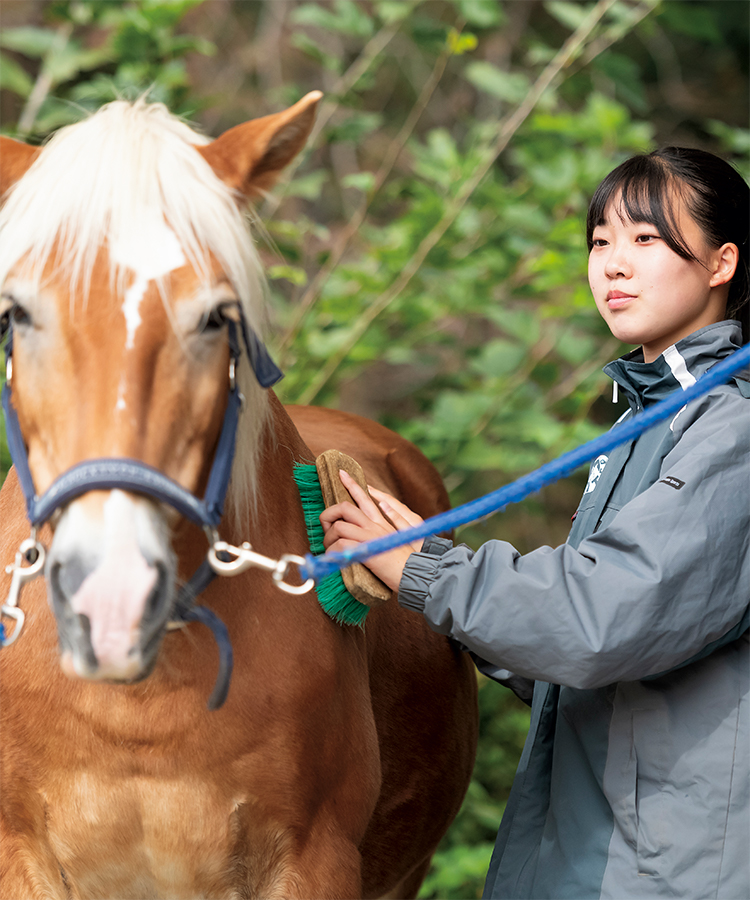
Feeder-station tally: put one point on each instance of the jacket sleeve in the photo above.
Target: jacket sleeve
(666, 579)
(523, 688)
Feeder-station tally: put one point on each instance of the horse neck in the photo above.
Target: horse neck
(276, 525)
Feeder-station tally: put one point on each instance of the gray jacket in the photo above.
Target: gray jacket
(635, 778)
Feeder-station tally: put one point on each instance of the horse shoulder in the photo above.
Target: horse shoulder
(422, 687)
(390, 461)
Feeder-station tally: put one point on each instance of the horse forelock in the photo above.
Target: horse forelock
(94, 185)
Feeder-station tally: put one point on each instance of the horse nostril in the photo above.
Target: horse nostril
(84, 644)
(60, 599)
(158, 593)
(67, 579)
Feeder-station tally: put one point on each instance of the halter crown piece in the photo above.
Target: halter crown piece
(134, 475)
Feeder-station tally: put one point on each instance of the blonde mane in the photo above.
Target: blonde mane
(95, 181)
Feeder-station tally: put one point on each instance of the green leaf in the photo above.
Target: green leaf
(293, 274)
(481, 13)
(520, 324)
(453, 870)
(509, 86)
(499, 358)
(696, 20)
(70, 60)
(362, 181)
(568, 14)
(14, 78)
(457, 412)
(188, 43)
(167, 13)
(54, 114)
(625, 73)
(312, 14)
(458, 44)
(391, 11)
(172, 74)
(346, 17)
(34, 42)
(308, 186)
(354, 127)
(353, 19)
(735, 140)
(310, 47)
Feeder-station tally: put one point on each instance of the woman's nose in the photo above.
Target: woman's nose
(618, 263)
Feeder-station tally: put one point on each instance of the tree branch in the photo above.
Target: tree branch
(507, 128)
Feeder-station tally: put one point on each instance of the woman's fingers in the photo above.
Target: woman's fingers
(348, 512)
(361, 498)
(347, 525)
(403, 524)
(388, 503)
(366, 516)
(349, 522)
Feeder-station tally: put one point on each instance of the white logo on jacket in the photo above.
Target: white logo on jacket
(595, 473)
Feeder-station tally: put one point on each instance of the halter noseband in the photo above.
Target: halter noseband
(134, 475)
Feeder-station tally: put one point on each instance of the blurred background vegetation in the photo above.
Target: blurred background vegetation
(426, 253)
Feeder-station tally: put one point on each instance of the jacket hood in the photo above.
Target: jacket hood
(679, 366)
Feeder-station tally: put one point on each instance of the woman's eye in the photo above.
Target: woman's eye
(598, 242)
(646, 238)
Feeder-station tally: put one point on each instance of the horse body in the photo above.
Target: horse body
(341, 754)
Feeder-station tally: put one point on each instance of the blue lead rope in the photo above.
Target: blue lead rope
(320, 566)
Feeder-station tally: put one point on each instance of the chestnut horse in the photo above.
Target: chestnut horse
(342, 753)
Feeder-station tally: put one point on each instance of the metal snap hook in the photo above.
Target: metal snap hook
(226, 559)
(33, 553)
(281, 570)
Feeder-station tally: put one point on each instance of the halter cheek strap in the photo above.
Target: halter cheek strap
(134, 475)
(127, 474)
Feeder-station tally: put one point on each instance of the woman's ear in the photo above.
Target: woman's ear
(725, 261)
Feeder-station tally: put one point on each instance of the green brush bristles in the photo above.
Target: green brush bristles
(333, 596)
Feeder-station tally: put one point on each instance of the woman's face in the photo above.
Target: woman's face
(645, 292)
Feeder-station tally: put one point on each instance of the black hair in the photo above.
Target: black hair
(715, 195)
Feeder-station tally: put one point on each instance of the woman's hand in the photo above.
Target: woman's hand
(346, 525)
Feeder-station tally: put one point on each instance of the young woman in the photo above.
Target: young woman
(633, 636)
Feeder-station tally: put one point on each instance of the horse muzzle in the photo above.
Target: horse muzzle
(110, 577)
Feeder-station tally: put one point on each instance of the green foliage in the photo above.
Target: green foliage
(426, 255)
(460, 866)
(142, 52)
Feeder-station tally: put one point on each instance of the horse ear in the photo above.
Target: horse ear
(15, 159)
(250, 156)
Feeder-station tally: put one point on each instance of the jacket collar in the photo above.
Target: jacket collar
(679, 366)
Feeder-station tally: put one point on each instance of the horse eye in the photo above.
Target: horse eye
(12, 313)
(17, 315)
(213, 320)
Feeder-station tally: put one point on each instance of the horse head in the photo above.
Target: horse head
(125, 260)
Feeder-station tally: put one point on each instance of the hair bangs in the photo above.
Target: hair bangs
(641, 190)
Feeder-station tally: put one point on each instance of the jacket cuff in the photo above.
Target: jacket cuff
(436, 546)
(416, 579)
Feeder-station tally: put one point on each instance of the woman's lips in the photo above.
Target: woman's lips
(616, 299)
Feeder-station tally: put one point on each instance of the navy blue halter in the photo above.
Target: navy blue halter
(134, 475)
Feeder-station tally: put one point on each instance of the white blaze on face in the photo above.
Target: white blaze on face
(150, 253)
(120, 405)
